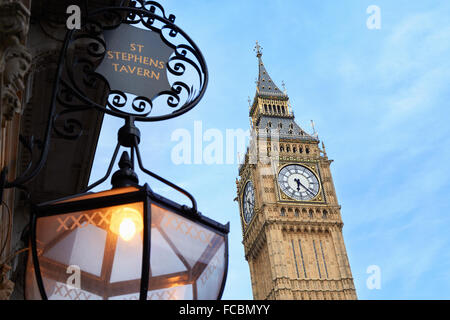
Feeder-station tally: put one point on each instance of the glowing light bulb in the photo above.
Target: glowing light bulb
(127, 229)
(126, 222)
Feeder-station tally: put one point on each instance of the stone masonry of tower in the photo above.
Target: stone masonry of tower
(295, 248)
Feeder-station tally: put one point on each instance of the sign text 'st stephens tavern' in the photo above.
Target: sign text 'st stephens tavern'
(135, 61)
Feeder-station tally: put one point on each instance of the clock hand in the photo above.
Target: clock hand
(310, 192)
(298, 183)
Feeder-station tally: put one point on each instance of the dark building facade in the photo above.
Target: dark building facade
(31, 36)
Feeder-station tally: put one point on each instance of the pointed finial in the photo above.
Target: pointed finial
(258, 49)
(125, 162)
(324, 150)
(125, 176)
(316, 134)
(249, 102)
(283, 85)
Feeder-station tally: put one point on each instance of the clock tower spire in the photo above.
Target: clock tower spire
(291, 219)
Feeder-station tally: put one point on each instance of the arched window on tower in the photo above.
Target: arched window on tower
(311, 213)
(297, 212)
(283, 212)
(265, 107)
(324, 214)
(278, 108)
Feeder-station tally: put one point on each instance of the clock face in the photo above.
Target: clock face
(298, 182)
(248, 202)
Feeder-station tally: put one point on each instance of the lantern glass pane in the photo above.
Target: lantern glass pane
(187, 258)
(90, 254)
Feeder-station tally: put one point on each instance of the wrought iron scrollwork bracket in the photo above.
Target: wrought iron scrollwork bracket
(80, 70)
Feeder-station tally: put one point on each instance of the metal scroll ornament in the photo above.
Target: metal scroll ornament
(130, 61)
(152, 69)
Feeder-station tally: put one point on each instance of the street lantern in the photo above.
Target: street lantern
(125, 243)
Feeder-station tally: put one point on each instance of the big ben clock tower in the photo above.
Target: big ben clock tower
(291, 219)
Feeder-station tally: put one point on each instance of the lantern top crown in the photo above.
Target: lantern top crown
(125, 176)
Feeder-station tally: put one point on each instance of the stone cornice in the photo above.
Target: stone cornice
(14, 18)
(15, 58)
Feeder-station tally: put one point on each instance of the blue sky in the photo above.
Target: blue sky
(379, 100)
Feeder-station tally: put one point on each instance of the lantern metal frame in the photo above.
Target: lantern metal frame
(143, 194)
